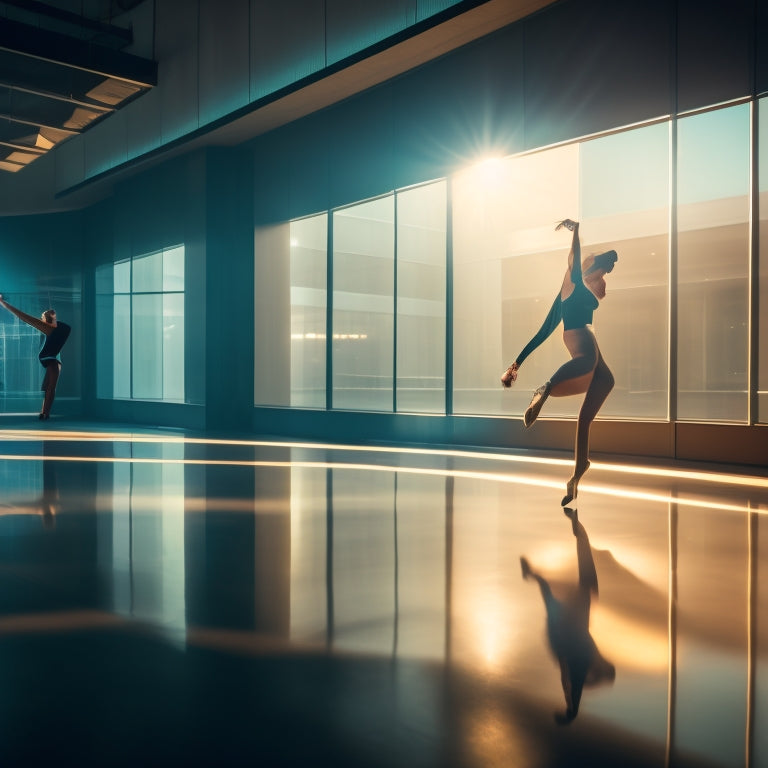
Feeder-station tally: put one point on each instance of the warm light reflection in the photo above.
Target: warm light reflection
(695, 476)
(492, 624)
(630, 643)
(516, 479)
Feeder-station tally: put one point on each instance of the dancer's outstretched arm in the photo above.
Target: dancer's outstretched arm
(574, 257)
(41, 325)
(552, 320)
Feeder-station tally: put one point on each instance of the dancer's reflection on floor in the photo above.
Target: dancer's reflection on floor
(47, 505)
(581, 663)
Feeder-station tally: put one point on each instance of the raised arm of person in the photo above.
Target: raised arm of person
(551, 322)
(574, 256)
(41, 325)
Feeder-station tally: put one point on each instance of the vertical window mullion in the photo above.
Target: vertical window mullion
(329, 315)
(394, 308)
(449, 298)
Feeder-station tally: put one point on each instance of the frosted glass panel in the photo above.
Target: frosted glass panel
(308, 276)
(141, 332)
(624, 191)
(147, 357)
(713, 258)
(123, 277)
(121, 348)
(148, 273)
(363, 306)
(173, 346)
(173, 269)
(508, 266)
(421, 276)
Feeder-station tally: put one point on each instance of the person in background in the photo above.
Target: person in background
(55, 335)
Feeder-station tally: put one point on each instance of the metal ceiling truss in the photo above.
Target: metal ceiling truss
(55, 84)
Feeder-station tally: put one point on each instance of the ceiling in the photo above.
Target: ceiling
(63, 68)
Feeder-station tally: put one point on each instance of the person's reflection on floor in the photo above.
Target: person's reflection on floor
(46, 506)
(581, 663)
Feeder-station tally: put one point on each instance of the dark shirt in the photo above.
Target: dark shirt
(53, 342)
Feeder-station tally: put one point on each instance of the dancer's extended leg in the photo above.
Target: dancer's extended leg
(571, 378)
(597, 392)
(50, 380)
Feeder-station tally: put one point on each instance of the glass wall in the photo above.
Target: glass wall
(762, 366)
(363, 305)
(389, 282)
(509, 265)
(390, 295)
(713, 177)
(140, 327)
(421, 276)
(309, 243)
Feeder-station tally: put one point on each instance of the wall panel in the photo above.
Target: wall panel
(287, 43)
(178, 73)
(715, 44)
(224, 58)
(353, 26)
(595, 65)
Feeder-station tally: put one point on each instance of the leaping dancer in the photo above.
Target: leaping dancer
(586, 372)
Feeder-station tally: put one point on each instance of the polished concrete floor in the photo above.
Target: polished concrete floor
(174, 600)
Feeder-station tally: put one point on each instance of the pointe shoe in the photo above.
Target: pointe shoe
(525, 567)
(509, 377)
(537, 401)
(572, 486)
(569, 224)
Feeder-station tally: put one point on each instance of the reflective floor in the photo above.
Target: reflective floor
(172, 600)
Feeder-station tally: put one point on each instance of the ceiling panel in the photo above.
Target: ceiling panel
(60, 73)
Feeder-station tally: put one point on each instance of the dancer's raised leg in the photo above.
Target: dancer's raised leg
(597, 392)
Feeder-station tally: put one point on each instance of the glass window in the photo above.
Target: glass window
(713, 262)
(272, 315)
(363, 306)
(308, 276)
(421, 287)
(509, 263)
(142, 330)
(173, 269)
(508, 267)
(762, 368)
(147, 346)
(624, 192)
(173, 346)
(122, 277)
(148, 273)
(121, 348)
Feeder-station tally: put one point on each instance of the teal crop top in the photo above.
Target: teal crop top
(575, 311)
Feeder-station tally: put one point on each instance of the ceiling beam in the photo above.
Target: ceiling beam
(37, 124)
(120, 36)
(23, 147)
(81, 55)
(56, 97)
